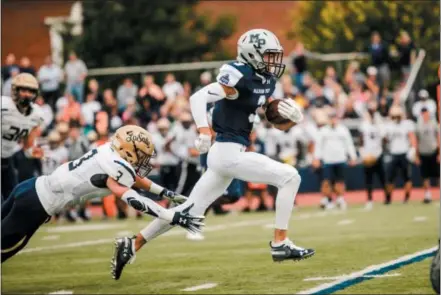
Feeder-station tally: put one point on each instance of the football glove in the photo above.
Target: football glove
(172, 196)
(191, 223)
(203, 143)
(288, 109)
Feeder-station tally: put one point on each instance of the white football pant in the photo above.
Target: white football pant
(226, 161)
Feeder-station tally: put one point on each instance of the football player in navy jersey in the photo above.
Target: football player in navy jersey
(241, 88)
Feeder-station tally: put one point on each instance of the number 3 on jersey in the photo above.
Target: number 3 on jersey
(77, 163)
(260, 103)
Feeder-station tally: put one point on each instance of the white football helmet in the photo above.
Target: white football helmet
(262, 50)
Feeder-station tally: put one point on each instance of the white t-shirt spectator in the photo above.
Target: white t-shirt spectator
(429, 104)
(50, 77)
(88, 110)
(74, 70)
(124, 94)
(173, 89)
(427, 134)
(61, 104)
(334, 144)
(398, 136)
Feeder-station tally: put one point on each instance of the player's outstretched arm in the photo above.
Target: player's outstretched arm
(145, 205)
(30, 150)
(150, 186)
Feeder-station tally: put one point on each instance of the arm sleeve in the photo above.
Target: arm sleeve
(147, 206)
(198, 102)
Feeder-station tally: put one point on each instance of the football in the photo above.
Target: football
(272, 113)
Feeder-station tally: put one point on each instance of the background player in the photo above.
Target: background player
(113, 167)
(241, 88)
(21, 120)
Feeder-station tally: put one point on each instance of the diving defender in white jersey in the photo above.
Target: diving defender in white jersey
(241, 88)
(21, 120)
(114, 167)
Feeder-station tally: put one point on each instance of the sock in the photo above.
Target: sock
(277, 244)
(369, 192)
(427, 195)
(407, 195)
(285, 202)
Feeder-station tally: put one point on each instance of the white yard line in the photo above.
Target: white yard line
(50, 238)
(200, 287)
(345, 222)
(420, 219)
(84, 227)
(170, 233)
(62, 292)
(354, 278)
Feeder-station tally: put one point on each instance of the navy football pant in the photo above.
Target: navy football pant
(22, 215)
(9, 178)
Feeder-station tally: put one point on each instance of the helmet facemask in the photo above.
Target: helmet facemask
(143, 166)
(272, 62)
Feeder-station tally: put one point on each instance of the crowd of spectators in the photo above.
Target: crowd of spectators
(85, 114)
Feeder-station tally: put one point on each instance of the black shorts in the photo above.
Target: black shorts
(334, 172)
(399, 163)
(429, 166)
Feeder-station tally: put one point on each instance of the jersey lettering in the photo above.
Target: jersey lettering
(77, 163)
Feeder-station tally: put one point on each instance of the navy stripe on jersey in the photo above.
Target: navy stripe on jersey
(127, 168)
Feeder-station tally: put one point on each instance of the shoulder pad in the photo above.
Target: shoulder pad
(230, 74)
(7, 103)
(37, 114)
(116, 167)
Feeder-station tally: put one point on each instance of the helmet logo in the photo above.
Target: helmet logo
(254, 38)
(138, 137)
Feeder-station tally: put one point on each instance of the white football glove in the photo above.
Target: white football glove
(203, 143)
(289, 109)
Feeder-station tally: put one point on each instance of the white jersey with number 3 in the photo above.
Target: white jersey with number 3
(83, 178)
(16, 126)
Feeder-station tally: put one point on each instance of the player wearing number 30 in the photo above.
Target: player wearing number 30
(21, 120)
(241, 88)
(111, 168)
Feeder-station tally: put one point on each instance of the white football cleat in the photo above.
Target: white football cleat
(341, 203)
(195, 236)
(369, 205)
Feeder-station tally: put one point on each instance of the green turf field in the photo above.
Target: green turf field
(235, 254)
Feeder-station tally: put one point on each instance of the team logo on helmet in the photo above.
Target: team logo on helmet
(258, 42)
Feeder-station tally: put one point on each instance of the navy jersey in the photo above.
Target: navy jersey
(233, 118)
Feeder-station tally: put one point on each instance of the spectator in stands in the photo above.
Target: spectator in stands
(109, 100)
(76, 72)
(407, 53)
(7, 86)
(26, 66)
(71, 111)
(350, 112)
(332, 74)
(424, 102)
(205, 79)
(88, 110)
(76, 144)
(187, 89)
(93, 87)
(48, 117)
(130, 110)
(288, 89)
(333, 146)
(50, 75)
(353, 74)
(9, 66)
(125, 92)
(145, 113)
(380, 58)
(427, 131)
(172, 88)
(151, 92)
(299, 65)
(316, 96)
(372, 81)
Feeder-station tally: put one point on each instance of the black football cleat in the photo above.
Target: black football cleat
(289, 251)
(124, 254)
